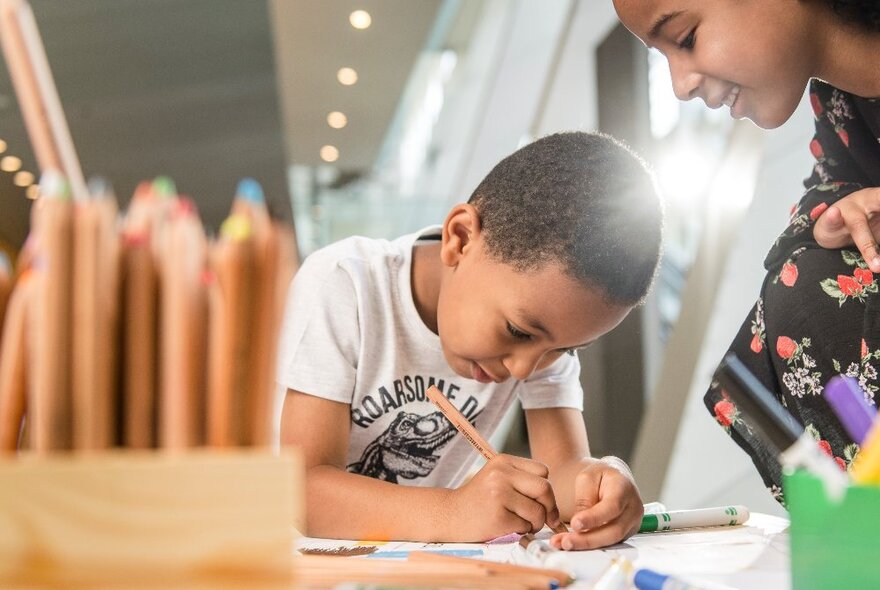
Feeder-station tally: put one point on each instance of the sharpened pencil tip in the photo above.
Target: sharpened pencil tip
(100, 188)
(236, 227)
(54, 185)
(250, 190)
(164, 186)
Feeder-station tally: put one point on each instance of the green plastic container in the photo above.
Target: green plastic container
(834, 545)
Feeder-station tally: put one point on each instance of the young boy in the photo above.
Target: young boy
(493, 304)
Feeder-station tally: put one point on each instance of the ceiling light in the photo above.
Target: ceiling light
(33, 191)
(10, 164)
(23, 178)
(2, 146)
(337, 120)
(329, 153)
(360, 19)
(347, 76)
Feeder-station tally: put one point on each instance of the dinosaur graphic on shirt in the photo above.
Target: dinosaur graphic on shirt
(406, 448)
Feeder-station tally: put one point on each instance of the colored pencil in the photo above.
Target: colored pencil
(13, 364)
(470, 433)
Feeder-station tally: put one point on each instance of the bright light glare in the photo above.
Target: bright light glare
(337, 120)
(347, 76)
(360, 19)
(329, 153)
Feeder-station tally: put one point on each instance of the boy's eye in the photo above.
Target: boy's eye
(516, 333)
(689, 41)
(570, 351)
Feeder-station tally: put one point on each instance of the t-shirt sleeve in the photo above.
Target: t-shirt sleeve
(556, 386)
(320, 338)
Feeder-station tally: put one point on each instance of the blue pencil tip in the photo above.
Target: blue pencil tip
(250, 190)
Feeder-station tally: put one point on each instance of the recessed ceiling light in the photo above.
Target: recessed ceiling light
(337, 120)
(32, 191)
(360, 19)
(23, 178)
(347, 76)
(329, 153)
(10, 164)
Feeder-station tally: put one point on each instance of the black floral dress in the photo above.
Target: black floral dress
(818, 314)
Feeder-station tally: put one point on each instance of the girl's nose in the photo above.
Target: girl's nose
(685, 81)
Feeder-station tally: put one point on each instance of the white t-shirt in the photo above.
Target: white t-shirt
(352, 334)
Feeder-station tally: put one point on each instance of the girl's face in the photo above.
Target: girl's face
(754, 56)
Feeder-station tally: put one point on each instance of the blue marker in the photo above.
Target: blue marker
(650, 580)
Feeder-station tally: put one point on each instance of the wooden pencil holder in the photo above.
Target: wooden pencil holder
(137, 518)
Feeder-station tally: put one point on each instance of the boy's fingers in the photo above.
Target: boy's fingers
(611, 533)
(538, 489)
(527, 465)
(528, 510)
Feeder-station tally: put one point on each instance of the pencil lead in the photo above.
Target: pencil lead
(250, 190)
(54, 185)
(164, 186)
(100, 188)
(5, 264)
(236, 227)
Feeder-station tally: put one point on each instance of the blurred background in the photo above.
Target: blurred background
(373, 117)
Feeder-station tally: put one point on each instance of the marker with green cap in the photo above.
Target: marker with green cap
(702, 517)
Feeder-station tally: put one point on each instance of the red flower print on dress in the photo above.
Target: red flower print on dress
(849, 286)
(840, 463)
(844, 136)
(864, 351)
(785, 347)
(816, 104)
(757, 344)
(864, 276)
(826, 447)
(789, 274)
(801, 377)
(818, 210)
(816, 149)
(725, 412)
(858, 286)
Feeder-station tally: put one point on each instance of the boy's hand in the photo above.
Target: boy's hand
(853, 220)
(509, 494)
(608, 507)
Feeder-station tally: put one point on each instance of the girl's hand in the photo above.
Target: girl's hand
(608, 508)
(509, 494)
(853, 220)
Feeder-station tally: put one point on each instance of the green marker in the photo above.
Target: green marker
(702, 517)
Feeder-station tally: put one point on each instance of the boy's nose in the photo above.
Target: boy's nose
(522, 364)
(685, 81)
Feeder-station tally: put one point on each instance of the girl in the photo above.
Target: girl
(819, 313)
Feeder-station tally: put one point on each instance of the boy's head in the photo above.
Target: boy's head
(554, 247)
(582, 200)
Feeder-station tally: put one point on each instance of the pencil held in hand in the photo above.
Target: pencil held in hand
(470, 433)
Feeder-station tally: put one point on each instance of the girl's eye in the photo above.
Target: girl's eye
(516, 333)
(688, 42)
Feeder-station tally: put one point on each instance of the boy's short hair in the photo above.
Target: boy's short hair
(583, 200)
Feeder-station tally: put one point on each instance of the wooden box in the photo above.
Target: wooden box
(149, 519)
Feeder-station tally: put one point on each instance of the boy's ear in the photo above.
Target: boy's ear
(460, 230)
